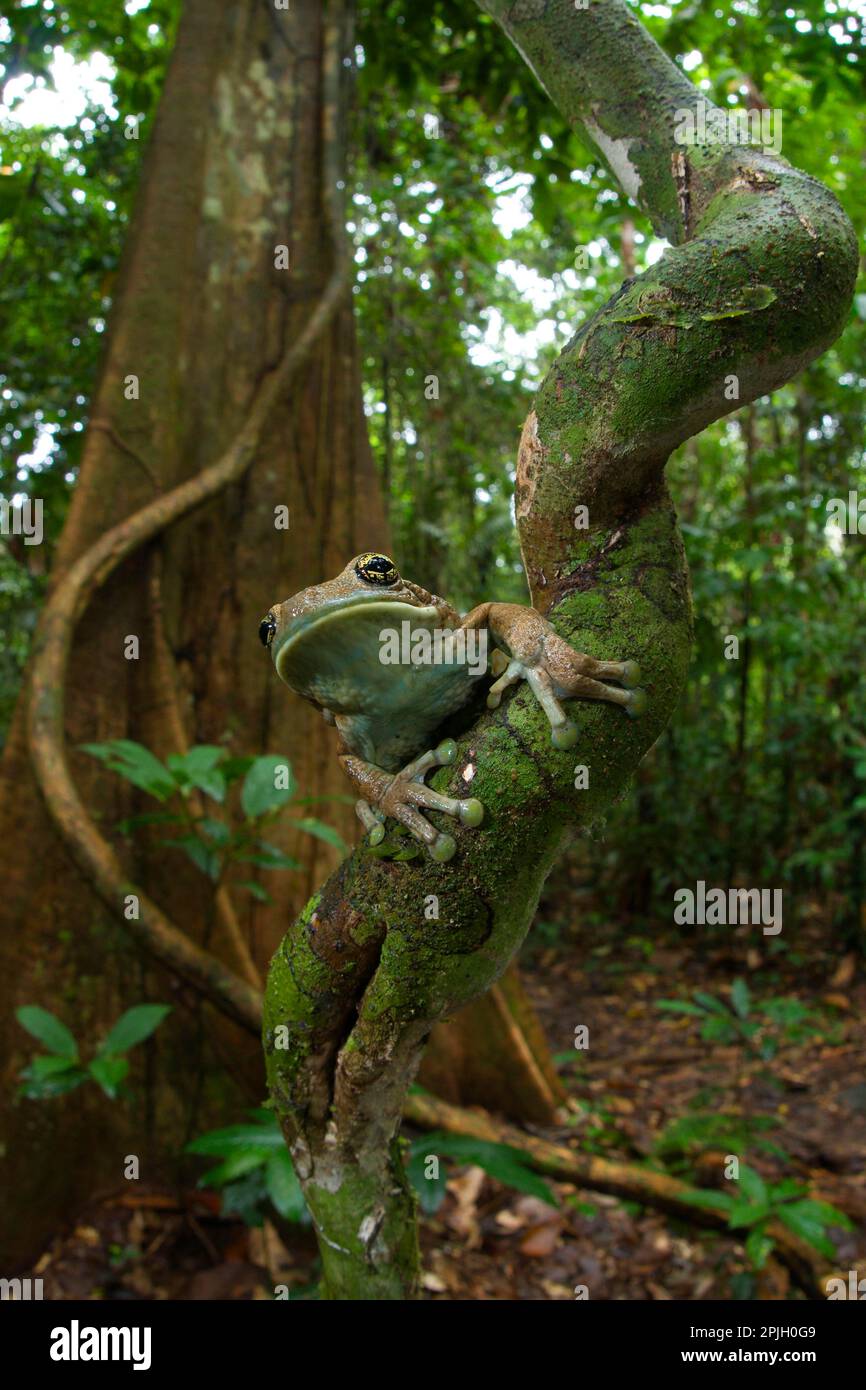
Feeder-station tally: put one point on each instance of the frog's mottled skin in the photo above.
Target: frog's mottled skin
(326, 644)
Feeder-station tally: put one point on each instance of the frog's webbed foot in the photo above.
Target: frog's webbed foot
(553, 669)
(400, 794)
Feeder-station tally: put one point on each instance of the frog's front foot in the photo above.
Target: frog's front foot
(555, 671)
(400, 794)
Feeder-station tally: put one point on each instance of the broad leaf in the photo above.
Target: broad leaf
(109, 1072)
(136, 763)
(260, 792)
(283, 1187)
(503, 1163)
(431, 1191)
(741, 998)
(133, 1027)
(48, 1029)
(198, 768)
(322, 832)
(220, 1142)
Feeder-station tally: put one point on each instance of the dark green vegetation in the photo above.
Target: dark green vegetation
(61, 1069)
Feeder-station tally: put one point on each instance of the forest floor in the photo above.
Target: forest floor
(777, 1080)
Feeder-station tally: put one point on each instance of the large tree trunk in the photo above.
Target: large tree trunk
(233, 171)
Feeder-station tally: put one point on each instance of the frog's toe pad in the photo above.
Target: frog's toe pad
(564, 735)
(446, 753)
(636, 703)
(630, 674)
(443, 848)
(377, 834)
(471, 812)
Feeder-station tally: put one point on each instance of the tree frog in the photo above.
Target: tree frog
(329, 643)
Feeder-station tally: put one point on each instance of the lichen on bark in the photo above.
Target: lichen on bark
(756, 283)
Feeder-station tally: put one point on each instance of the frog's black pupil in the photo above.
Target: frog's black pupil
(377, 569)
(267, 628)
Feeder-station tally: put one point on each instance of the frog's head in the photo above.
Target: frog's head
(325, 641)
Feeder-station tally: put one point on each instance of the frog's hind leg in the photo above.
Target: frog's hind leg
(563, 731)
(400, 794)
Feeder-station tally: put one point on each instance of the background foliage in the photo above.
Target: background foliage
(485, 231)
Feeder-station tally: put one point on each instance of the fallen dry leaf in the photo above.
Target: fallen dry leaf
(844, 972)
(543, 1239)
(554, 1290)
(463, 1218)
(836, 1001)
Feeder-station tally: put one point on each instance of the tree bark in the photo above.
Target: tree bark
(757, 283)
(233, 170)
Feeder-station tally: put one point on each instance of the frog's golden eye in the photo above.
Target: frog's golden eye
(376, 569)
(267, 628)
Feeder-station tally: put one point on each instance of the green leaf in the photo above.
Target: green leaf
(133, 1027)
(136, 763)
(216, 830)
(679, 1006)
(824, 1213)
(741, 998)
(322, 832)
(43, 1067)
(268, 857)
(752, 1185)
(743, 1214)
(711, 1003)
(233, 768)
(786, 1190)
(235, 1166)
(48, 1029)
(205, 859)
(198, 768)
(245, 1197)
(716, 1201)
(804, 1224)
(716, 1029)
(283, 1187)
(503, 1163)
(258, 892)
(56, 1083)
(109, 1072)
(221, 1142)
(149, 818)
(260, 793)
(759, 1246)
(431, 1191)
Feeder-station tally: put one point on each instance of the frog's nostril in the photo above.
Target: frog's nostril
(267, 628)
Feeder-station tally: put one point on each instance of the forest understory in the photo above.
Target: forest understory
(646, 1089)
